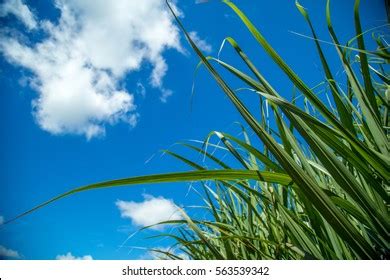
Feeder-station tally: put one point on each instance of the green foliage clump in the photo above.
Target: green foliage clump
(336, 204)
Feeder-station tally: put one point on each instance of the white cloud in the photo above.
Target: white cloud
(79, 65)
(1, 220)
(166, 93)
(200, 43)
(8, 253)
(141, 90)
(69, 256)
(150, 211)
(19, 10)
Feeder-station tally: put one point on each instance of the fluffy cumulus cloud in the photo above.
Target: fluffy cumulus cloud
(70, 257)
(6, 253)
(79, 66)
(150, 211)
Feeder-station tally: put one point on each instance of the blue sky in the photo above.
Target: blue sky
(91, 92)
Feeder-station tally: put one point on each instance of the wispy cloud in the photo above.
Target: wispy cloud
(79, 66)
(200, 43)
(165, 94)
(69, 256)
(150, 211)
(1, 220)
(141, 90)
(6, 253)
(157, 253)
(18, 9)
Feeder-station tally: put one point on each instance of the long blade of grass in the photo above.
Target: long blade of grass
(198, 175)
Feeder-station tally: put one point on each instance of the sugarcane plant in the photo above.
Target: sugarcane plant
(317, 187)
